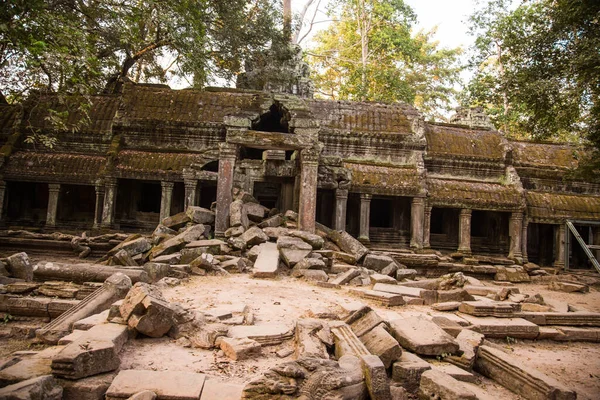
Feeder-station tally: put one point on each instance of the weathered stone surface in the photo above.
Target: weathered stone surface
(168, 246)
(174, 385)
(156, 271)
(20, 267)
(436, 384)
(339, 257)
(35, 365)
(212, 246)
(449, 326)
(239, 348)
(428, 296)
(348, 244)
(144, 395)
(446, 306)
(311, 263)
(146, 310)
(405, 273)
(92, 353)
(207, 336)
(313, 275)
(170, 259)
(518, 377)
(275, 233)
(272, 222)
(91, 321)
(345, 277)
(422, 336)
(455, 372)
(568, 287)
(489, 308)
(381, 278)
(237, 214)
(255, 211)
(176, 221)
(123, 258)
(21, 287)
(380, 343)
(90, 388)
(266, 335)
(293, 250)
(215, 390)
(315, 241)
(512, 274)
(408, 370)
(254, 236)
(365, 322)
(267, 262)
(346, 341)
(234, 231)
(580, 318)
(376, 378)
(387, 299)
(517, 328)
(307, 340)
(468, 341)
(199, 215)
(453, 295)
(377, 262)
(40, 388)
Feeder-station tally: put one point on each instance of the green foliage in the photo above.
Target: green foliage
(369, 53)
(538, 67)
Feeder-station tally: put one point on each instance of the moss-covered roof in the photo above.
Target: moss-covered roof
(384, 179)
(54, 167)
(143, 161)
(556, 207)
(528, 154)
(475, 195)
(454, 141)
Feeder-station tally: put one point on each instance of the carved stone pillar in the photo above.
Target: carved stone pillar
(307, 209)
(464, 232)
(365, 217)
(165, 199)
(53, 191)
(559, 262)
(427, 227)
(417, 214)
(524, 239)
(191, 186)
(515, 228)
(341, 205)
(227, 157)
(110, 201)
(2, 195)
(98, 209)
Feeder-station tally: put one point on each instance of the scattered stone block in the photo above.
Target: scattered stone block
(144, 395)
(90, 388)
(361, 324)
(408, 370)
(267, 262)
(468, 341)
(447, 306)
(215, 390)
(457, 373)
(313, 275)
(489, 308)
(266, 335)
(348, 244)
(156, 271)
(91, 321)
(146, 310)
(376, 378)
(272, 222)
(512, 274)
(308, 343)
(453, 295)
(40, 388)
(436, 384)
(254, 236)
(346, 342)
(405, 273)
(449, 326)
(166, 384)
(20, 267)
(239, 349)
(206, 337)
(422, 336)
(380, 278)
(377, 262)
(491, 327)
(199, 215)
(568, 287)
(387, 299)
(311, 263)
(176, 221)
(428, 296)
(345, 277)
(518, 377)
(293, 250)
(339, 268)
(380, 343)
(315, 241)
(343, 258)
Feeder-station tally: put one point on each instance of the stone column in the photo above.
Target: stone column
(191, 186)
(98, 209)
(417, 214)
(524, 238)
(53, 191)
(341, 205)
(365, 217)
(165, 199)
(515, 228)
(307, 208)
(427, 227)
(227, 157)
(560, 246)
(110, 202)
(2, 195)
(464, 232)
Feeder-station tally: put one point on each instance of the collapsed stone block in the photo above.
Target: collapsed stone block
(293, 250)
(422, 336)
(376, 378)
(255, 212)
(237, 215)
(166, 384)
(239, 349)
(40, 388)
(266, 335)
(267, 261)
(568, 287)
(254, 236)
(377, 262)
(468, 342)
(380, 343)
(315, 241)
(146, 310)
(408, 370)
(437, 384)
(308, 344)
(176, 221)
(20, 267)
(199, 215)
(348, 244)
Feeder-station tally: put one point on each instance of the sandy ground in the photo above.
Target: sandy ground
(283, 300)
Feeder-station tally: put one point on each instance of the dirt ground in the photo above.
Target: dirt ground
(283, 300)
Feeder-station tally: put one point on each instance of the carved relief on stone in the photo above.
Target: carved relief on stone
(334, 177)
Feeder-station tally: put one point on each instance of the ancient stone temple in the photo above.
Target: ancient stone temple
(378, 171)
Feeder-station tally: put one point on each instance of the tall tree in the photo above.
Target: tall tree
(538, 67)
(369, 53)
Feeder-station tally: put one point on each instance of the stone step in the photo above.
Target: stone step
(422, 336)
(492, 327)
(166, 384)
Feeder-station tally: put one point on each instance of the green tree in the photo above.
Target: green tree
(538, 68)
(369, 53)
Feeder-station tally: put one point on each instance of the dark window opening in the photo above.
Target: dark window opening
(149, 200)
(249, 153)
(27, 202)
(267, 193)
(289, 154)
(76, 203)
(540, 244)
(208, 195)
(325, 207)
(381, 213)
(275, 120)
(478, 223)
(437, 221)
(212, 166)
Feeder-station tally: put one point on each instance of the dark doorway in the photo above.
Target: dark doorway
(27, 203)
(325, 207)
(489, 232)
(444, 228)
(208, 194)
(541, 244)
(275, 120)
(76, 204)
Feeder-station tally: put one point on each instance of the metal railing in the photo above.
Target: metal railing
(586, 248)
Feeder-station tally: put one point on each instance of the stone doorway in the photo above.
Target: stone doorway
(275, 193)
(541, 244)
(26, 203)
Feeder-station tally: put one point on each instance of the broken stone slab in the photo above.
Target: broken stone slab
(417, 261)
(92, 353)
(455, 372)
(239, 349)
(21, 287)
(491, 327)
(311, 263)
(489, 308)
(376, 378)
(254, 236)
(308, 343)
(237, 215)
(215, 390)
(35, 306)
(314, 240)
(212, 246)
(476, 290)
(339, 257)
(453, 295)
(312, 275)
(568, 287)
(361, 323)
(408, 370)
(199, 215)
(90, 388)
(31, 366)
(377, 262)
(267, 262)
(403, 274)
(65, 290)
(446, 306)
(293, 250)
(422, 336)
(275, 233)
(381, 278)
(468, 341)
(122, 258)
(437, 384)
(176, 221)
(113, 289)
(91, 321)
(428, 296)
(518, 377)
(513, 274)
(40, 388)
(266, 335)
(206, 337)
(449, 326)
(346, 341)
(176, 385)
(345, 277)
(580, 318)
(348, 244)
(156, 271)
(80, 273)
(19, 266)
(380, 343)
(387, 299)
(272, 222)
(169, 246)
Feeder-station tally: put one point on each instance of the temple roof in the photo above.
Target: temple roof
(556, 207)
(54, 167)
(529, 154)
(385, 179)
(455, 141)
(131, 162)
(475, 195)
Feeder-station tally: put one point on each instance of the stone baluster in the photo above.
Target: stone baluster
(227, 157)
(417, 215)
(98, 208)
(524, 238)
(53, 191)
(165, 199)
(464, 232)
(559, 262)
(427, 227)
(191, 186)
(341, 205)
(110, 201)
(365, 216)
(515, 232)
(307, 209)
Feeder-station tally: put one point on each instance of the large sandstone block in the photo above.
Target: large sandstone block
(348, 244)
(239, 349)
(176, 221)
(175, 385)
(32, 366)
(428, 296)
(517, 328)
(215, 390)
(293, 250)
(40, 388)
(315, 241)
(254, 236)
(146, 310)
(346, 342)
(380, 343)
(266, 335)
(422, 336)
(376, 378)
(267, 262)
(408, 370)
(20, 267)
(437, 384)
(199, 215)
(308, 343)
(377, 262)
